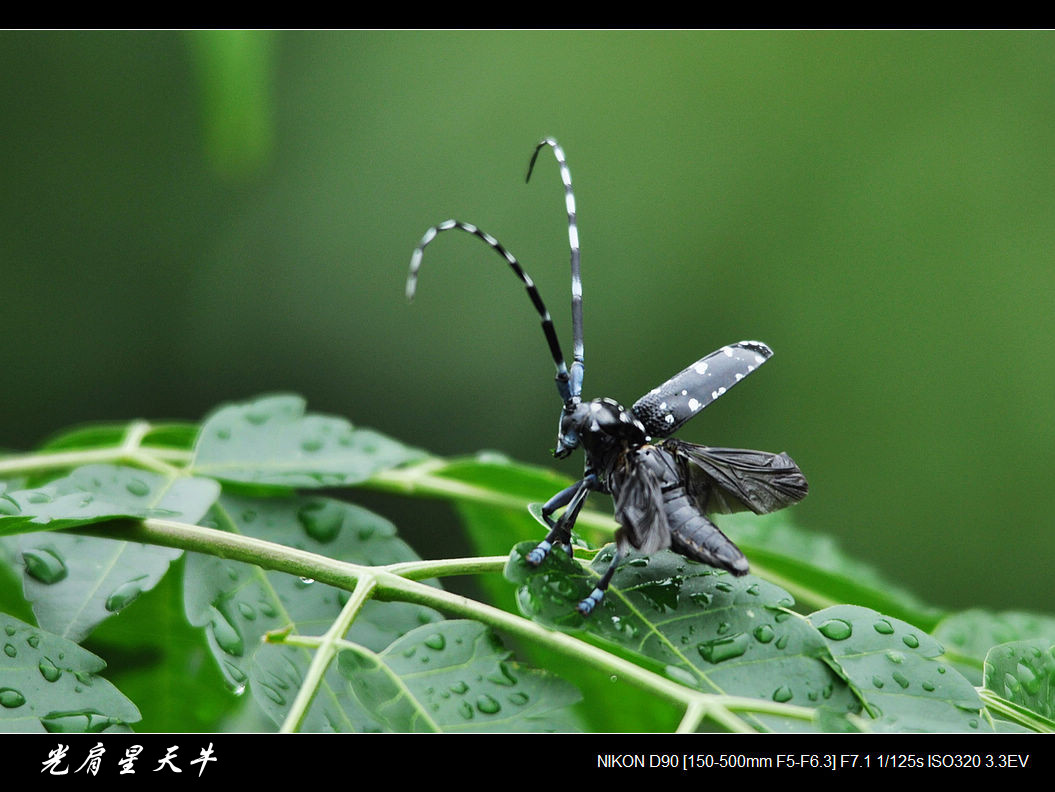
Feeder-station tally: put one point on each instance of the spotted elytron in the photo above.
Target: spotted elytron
(663, 487)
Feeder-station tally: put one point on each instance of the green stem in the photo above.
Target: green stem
(326, 649)
(390, 586)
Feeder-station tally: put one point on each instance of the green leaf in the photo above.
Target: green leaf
(238, 603)
(101, 578)
(174, 435)
(1023, 672)
(969, 635)
(454, 676)
(815, 570)
(892, 667)
(271, 443)
(50, 684)
(75, 582)
(97, 493)
(164, 664)
(707, 629)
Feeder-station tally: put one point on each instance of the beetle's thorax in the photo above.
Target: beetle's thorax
(600, 426)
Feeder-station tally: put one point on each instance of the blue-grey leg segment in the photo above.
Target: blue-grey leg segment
(587, 605)
(560, 531)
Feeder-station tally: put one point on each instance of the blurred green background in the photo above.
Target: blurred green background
(190, 218)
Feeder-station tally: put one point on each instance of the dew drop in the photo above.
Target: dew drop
(267, 608)
(895, 656)
(48, 669)
(247, 611)
(226, 634)
(138, 487)
(239, 676)
(764, 633)
(901, 679)
(11, 698)
(883, 627)
(273, 694)
(725, 648)
(459, 687)
(782, 694)
(836, 629)
(488, 705)
(39, 497)
(33, 640)
(877, 681)
(910, 641)
(45, 564)
(10, 650)
(465, 710)
(436, 641)
(701, 598)
(503, 676)
(929, 687)
(321, 520)
(8, 506)
(124, 595)
(311, 444)
(519, 699)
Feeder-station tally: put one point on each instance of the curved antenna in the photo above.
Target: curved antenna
(578, 365)
(563, 386)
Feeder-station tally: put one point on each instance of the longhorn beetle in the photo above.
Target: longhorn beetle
(663, 487)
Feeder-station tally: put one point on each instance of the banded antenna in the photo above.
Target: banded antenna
(578, 364)
(562, 378)
(569, 385)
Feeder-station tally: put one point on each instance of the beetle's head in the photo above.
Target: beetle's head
(573, 420)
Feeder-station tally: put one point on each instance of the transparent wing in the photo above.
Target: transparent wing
(725, 480)
(638, 497)
(662, 410)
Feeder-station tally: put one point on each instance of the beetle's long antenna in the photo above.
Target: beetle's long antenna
(563, 386)
(578, 365)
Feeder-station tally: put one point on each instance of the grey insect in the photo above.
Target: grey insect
(663, 488)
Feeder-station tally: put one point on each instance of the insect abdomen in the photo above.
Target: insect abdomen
(694, 536)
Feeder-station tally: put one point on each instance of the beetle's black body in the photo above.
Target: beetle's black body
(663, 488)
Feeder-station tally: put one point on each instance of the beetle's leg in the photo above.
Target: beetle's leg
(560, 531)
(587, 605)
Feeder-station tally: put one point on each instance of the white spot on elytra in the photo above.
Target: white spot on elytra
(684, 393)
(717, 393)
(728, 351)
(573, 235)
(668, 418)
(694, 405)
(429, 236)
(700, 368)
(470, 228)
(447, 225)
(739, 376)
